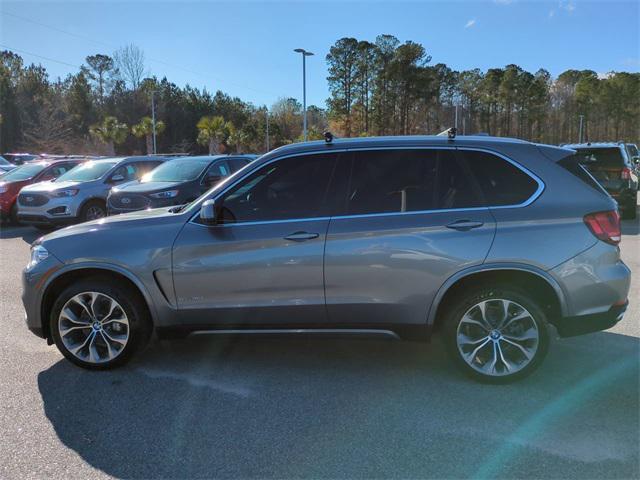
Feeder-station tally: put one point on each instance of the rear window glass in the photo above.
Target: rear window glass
(501, 182)
(601, 157)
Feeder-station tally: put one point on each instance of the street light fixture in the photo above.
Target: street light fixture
(305, 54)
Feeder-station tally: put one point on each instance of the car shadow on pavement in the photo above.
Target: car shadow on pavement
(28, 234)
(224, 406)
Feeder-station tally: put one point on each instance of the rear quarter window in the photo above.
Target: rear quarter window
(572, 165)
(501, 182)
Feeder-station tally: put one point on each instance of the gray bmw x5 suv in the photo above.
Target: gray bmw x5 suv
(488, 241)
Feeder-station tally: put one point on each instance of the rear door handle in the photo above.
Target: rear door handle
(464, 225)
(301, 236)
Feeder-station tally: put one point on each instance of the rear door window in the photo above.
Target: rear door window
(501, 182)
(409, 180)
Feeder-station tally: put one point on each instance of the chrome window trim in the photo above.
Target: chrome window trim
(534, 196)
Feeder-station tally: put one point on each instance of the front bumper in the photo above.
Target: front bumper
(34, 281)
(147, 204)
(583, 324)
(57, 211)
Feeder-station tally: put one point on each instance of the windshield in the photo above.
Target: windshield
(24, 172)
(86, 172)
(3, 161)
(177, 170)
(632, 149)
(601, 157)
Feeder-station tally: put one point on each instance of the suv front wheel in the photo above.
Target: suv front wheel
(496, 335)
(97, 325)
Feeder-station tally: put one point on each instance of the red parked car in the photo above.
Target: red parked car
(26, 174)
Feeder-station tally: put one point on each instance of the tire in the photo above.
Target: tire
(488, 351)
(93, 210)
(629, 213)
(13, 216)
(104, 335)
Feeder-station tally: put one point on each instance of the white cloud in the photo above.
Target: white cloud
(470, 23)
(552, 13)
(567, 5)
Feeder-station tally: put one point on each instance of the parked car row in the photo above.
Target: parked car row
(62, 191)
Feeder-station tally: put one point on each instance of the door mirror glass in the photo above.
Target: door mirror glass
(636, 160)
(117, 178)
(209, 212)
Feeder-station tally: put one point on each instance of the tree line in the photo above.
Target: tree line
(105, 108)
(383, 87)
(387, 87)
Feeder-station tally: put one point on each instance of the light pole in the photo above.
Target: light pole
(305, 54)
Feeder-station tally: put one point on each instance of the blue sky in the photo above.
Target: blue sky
(245, 47)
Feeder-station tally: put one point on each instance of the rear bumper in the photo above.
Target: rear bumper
(583, 324)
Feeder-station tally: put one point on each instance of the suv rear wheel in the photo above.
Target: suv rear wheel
(496, 335)
(98, 325)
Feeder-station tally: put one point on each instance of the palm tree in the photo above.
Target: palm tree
(145, 129)
(213, 131)
(241, 138)
(111, 132)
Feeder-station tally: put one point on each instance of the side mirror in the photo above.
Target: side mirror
(209, 212)
(636, 160)
(117, 178)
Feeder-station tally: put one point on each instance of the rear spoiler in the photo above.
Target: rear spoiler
(555, 154)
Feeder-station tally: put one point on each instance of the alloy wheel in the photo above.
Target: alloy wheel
(95, 212)
(93, 327)
(497, 337)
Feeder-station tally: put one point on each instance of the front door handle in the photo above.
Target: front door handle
(301, 236)
(464, 225)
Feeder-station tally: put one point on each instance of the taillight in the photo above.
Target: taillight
(605, 226)
(625, 173)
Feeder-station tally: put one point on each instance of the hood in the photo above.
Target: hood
(129, 241)
(125, 222)
(145, 187)
(44, 187)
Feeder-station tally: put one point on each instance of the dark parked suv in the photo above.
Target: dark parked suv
(488, 241)
(176, 182)
(611, 165)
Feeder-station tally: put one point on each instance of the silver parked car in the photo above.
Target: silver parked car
(81, 193)
(488, 241)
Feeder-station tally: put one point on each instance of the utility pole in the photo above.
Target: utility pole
(580, 131)
(153, 119)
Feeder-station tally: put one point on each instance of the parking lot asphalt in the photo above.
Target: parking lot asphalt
(248, 407)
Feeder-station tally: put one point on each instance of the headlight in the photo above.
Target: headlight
(165, 194)
(38, 254)
(66, 193)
